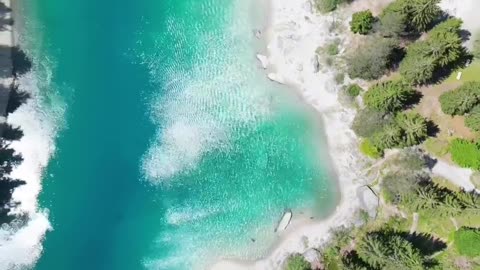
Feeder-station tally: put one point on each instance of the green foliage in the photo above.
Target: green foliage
(396, 186)
(467, 241)
(414, 127)
(325, 6)
(385, 251)
(424, 12)
(388, 96)
(392, 24)
(368, 149)
(389, 137)
(445, 42)
(473, 119)
(466, 153)
(371, 60)
(442, 48)
(461, 100)
(368, 122)
(417, 68)
(332, 49)
(354, 90)
(362, 22)
(418, 14)
(297, 262)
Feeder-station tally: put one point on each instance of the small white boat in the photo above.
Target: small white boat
(285, 221)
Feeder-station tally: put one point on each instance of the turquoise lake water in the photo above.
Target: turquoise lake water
(173, 149)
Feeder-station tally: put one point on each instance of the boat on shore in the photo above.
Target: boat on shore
(284, 221)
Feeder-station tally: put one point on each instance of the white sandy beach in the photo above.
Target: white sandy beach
(294, 35)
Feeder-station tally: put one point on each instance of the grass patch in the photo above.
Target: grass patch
(437, 147)
(469, 74)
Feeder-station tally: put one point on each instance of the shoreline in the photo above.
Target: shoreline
(294, 33)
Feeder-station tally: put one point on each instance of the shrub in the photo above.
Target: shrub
(354, 90)
(368, 122)
(325, 6)
(473, 119)
(461, 100)
(466, 153)
(297, 262)
(467, 241)
(340, 78)
(388, 96)
(332, 49)
(362, 22)
(368, 149)
(392, 24)
(371, 60)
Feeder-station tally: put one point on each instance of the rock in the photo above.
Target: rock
(316, 64)
(276, 78)
(263, 60)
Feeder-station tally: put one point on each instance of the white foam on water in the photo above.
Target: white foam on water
(39, 117)
(202, 107)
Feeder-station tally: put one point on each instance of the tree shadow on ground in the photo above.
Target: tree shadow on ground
(21, 63)
(16, 99)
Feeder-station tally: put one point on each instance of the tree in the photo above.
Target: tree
(362, 22)
(461, 100)
(450, 206)
(473, 119)
(414, 128)
(372, 250)
(297, 262)
(417, 67)
(368, 122)
(388, 96)
(424, 12)
(445, 42)
(389, 137)
(371, 60)
(389, 251)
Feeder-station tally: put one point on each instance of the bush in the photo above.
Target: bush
(368, 122)
(396, 186)
(466, 153)
(368, 149)
(372, 59)
(332, 49)
(325, 6)
(362, 22)
(297, 262)
(354, 90)
(467, 241)
(462, 100)
(388, 96)
(392, 24)
(473, 119)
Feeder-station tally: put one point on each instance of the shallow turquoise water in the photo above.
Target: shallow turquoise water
(174, 148)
